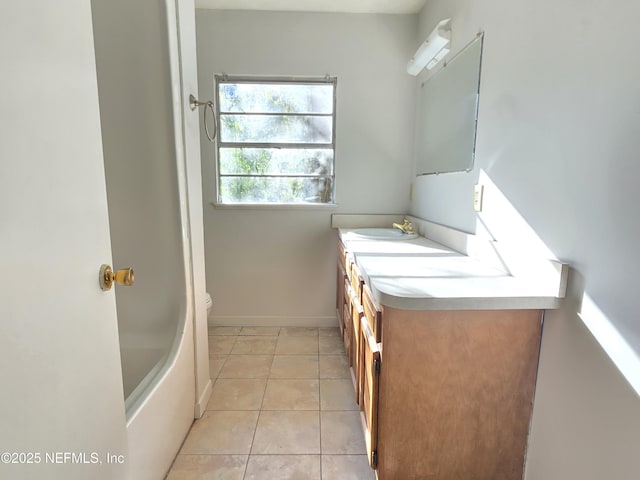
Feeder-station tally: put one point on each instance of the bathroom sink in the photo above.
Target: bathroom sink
(382, 234)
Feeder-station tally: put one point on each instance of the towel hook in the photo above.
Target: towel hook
(193, 104)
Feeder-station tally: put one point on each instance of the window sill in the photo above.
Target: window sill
(274, 206)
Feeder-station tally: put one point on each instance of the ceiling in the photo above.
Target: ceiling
(347, 6)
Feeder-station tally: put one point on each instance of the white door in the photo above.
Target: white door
(61, 401)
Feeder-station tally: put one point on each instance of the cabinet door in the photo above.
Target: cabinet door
(347, 335)
(456, 391)
(370, 360)
(372, 312)
(356, 282)
(340, 298)
(357, 313)
(342, 278)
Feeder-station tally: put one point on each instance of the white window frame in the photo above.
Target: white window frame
(222, 79)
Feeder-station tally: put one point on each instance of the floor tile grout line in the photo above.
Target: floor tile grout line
(255, 430)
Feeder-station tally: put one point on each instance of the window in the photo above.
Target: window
(276, 141)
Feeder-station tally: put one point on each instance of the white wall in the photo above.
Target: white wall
(278, 266)
(558, 144)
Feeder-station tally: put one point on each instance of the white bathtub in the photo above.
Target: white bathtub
(160, 409)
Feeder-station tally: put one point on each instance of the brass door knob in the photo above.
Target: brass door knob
(122, 277)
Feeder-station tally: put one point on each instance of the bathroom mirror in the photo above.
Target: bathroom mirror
(447, 114)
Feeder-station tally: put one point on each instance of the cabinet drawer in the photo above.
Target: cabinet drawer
(346, 314)
(340, 298)
(370, 368)
(373, 313)
(342, 255)
(346, 338)
(347, 305)
(356, 282)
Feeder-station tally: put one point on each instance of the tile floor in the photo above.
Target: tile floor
(282, 408)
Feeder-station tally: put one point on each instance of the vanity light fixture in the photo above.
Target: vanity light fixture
(434, 48)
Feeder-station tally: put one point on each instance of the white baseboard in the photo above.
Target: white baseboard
(201, 404)
(272, 321)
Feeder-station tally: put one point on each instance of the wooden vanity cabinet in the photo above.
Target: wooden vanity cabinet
(444, 394)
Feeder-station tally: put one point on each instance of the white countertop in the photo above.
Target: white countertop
(420, 274)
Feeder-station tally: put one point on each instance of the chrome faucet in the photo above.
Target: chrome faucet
(406, 226)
